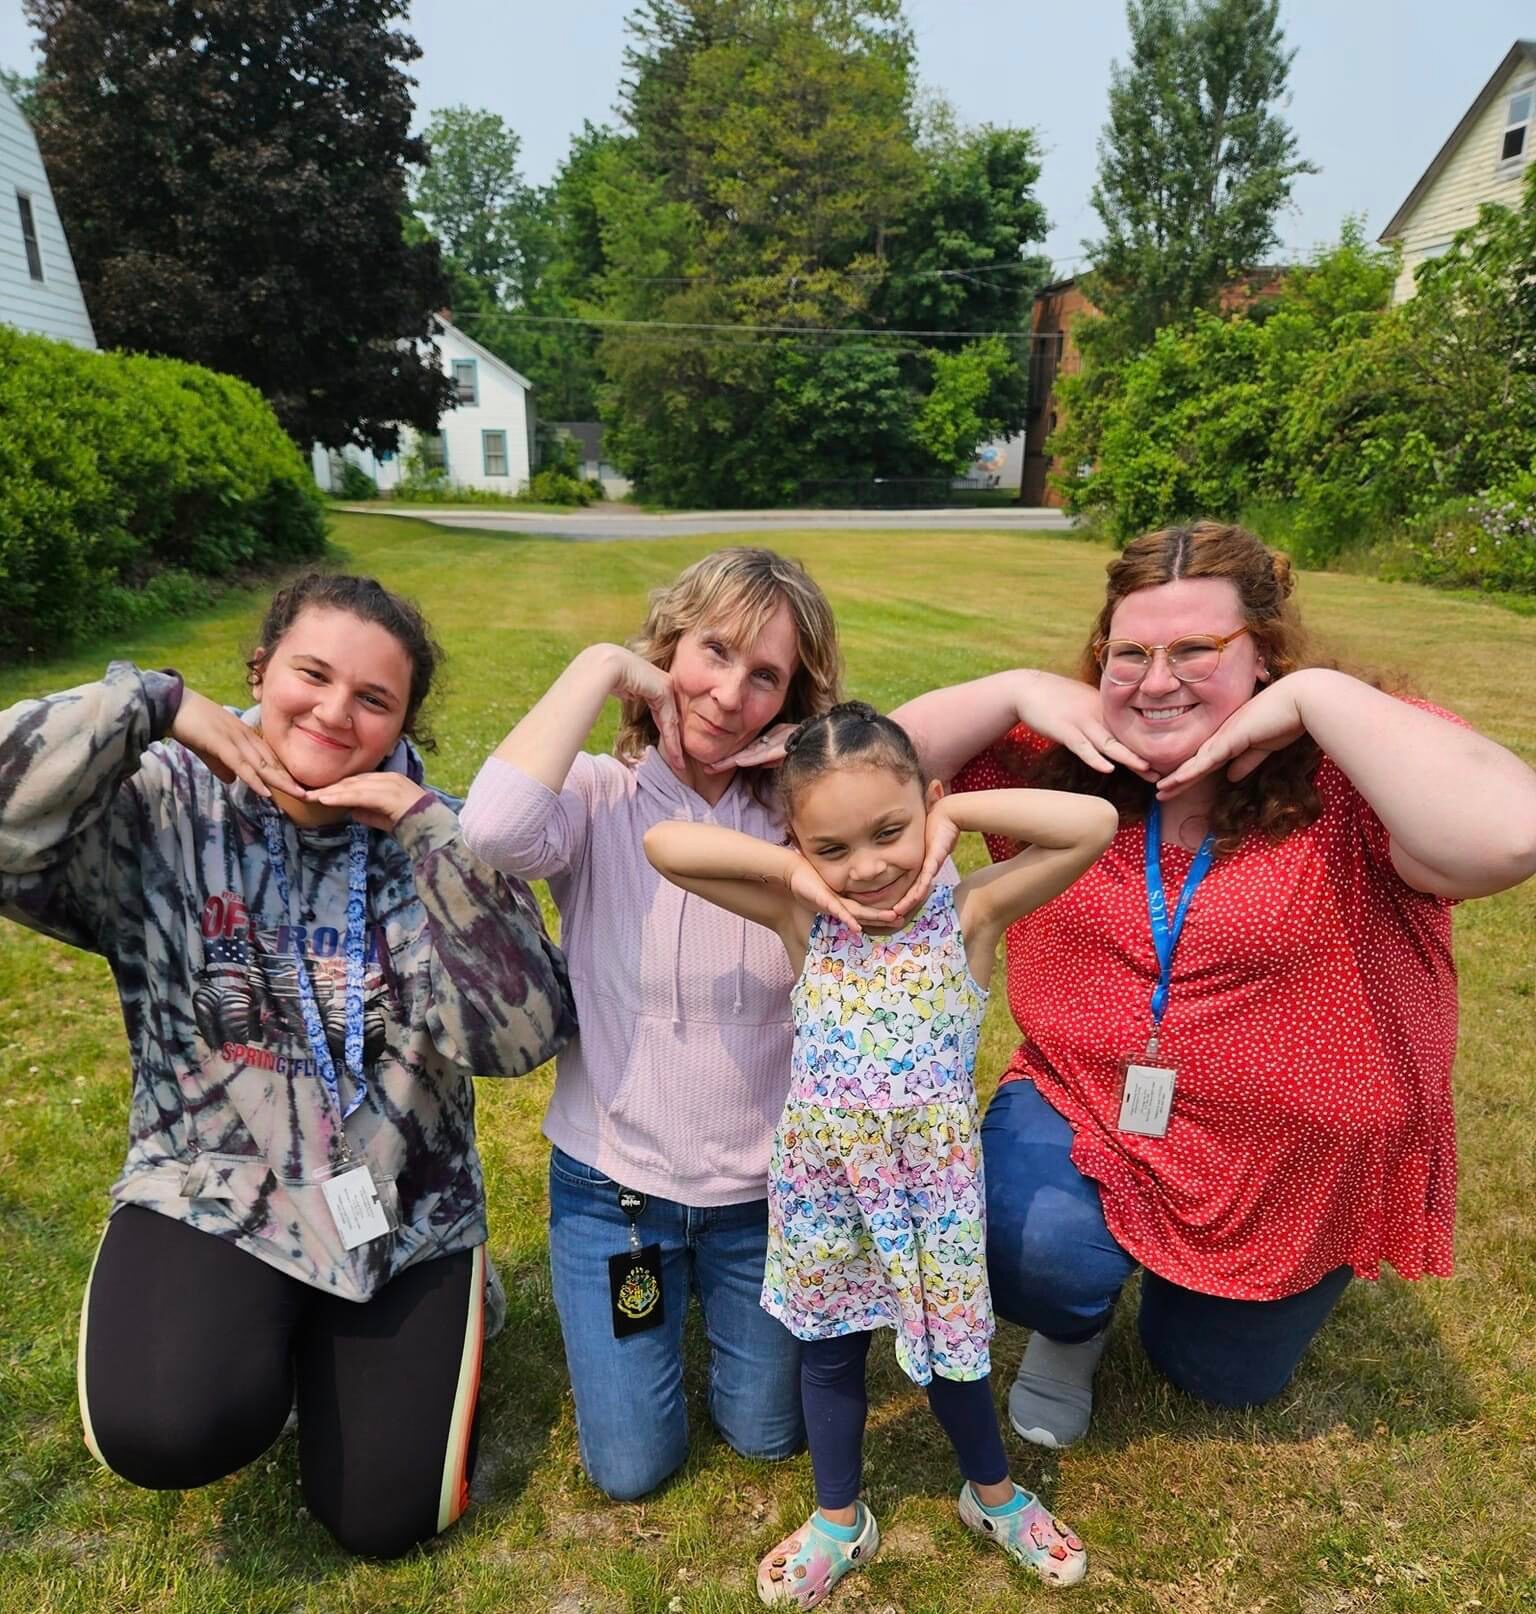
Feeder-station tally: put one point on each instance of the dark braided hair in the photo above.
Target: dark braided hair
(367, 599)
(852, 732)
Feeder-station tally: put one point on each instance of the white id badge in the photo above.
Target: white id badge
(356, 1208)
(1146, 1099)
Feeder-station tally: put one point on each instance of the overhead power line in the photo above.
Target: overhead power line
(843, 332)
(842, 274)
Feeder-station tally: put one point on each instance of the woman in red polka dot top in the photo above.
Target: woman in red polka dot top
(1269, 1111)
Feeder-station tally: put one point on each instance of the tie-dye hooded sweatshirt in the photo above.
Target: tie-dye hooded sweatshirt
(119, 841)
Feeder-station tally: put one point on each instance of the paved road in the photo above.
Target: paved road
(590, 526)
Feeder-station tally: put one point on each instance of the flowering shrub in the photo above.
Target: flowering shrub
(1486, 542)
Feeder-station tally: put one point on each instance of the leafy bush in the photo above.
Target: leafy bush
(1359, 428)
(356, 482)
(116, 469)
(1488, 542)
(1196, 423)
(558, 487)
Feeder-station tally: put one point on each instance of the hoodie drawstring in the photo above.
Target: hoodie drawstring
(677, 947)
(741, 953)
(677, 940)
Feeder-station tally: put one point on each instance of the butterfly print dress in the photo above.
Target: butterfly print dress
(875, 1200)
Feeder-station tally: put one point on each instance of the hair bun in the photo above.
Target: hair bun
(1280, 565)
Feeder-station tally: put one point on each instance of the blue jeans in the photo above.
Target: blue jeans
(631, 1417)
(1055, 1267)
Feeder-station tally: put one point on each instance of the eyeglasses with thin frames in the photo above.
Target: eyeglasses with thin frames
(1191, 659)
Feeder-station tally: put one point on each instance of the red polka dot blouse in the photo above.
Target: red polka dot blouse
(1312, 1023)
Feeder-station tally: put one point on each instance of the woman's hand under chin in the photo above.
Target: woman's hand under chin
(1267, 723)
(379, 800)
(633, 676)
(763, 752)
(1071, 713)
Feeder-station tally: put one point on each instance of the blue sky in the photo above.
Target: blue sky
(1377, 85)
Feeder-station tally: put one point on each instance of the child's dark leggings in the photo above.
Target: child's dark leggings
(835, 1398)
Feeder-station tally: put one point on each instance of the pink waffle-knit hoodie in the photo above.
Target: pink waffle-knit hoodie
(675, 1081)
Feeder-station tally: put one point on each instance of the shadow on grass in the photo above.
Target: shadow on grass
(1379, 1368)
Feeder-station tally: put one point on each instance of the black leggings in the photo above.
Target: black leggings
(191, 1352)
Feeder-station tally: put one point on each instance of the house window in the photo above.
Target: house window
(494, 447)
(466, 381)
(29, 235)
(434, 451)
(1517, 124)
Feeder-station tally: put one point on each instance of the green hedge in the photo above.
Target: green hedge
(125, 478)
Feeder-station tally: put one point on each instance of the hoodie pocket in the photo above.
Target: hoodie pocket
(243, 1179)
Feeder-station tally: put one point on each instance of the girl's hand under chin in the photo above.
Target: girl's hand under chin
(379, 800)
(231, 749)
(940, 836)
(808, 888)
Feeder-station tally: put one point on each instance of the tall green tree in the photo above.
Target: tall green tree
(1195, 164)
(552, 347)
(522, 260)
(472, 197)
(1196, 160)
(769, 219)
(23, 88)
(233, 178)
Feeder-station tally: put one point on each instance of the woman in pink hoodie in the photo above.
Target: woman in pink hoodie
(665, 1105)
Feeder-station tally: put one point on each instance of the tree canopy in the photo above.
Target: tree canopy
(232, 177)
(794, 256)
(1196, 161)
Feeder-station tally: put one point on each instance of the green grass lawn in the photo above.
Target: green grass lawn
(1397, 1472)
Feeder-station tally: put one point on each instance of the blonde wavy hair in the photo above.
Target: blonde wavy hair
(1280, 795)
(738, 590)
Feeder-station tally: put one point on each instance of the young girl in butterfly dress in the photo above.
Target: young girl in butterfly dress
(875, 1192)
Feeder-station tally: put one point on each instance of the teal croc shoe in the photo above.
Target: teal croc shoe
(1030, 1535)
(805, 1566)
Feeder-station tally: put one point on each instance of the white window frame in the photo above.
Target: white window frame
(454, 366)
(485, 453)
(1510, 165)
(26, 213)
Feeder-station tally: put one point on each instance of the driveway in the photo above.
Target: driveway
(596, 525)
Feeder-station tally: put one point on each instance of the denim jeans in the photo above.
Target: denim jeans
(631, 1418)
(1054, 1266)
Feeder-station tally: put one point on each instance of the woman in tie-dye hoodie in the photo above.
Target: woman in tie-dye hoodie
(211, 858)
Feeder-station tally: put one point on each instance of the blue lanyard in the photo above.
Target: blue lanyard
(1165, 936)
(357, 904)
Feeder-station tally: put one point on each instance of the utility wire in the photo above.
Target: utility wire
(842, 332)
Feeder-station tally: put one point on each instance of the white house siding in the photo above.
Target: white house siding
(1472, 175)
(53, 305)
(502, 405)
